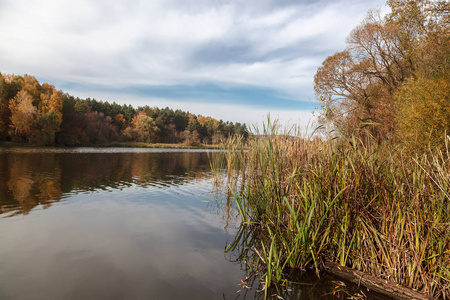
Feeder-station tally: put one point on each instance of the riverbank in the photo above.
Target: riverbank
(353, 201)
(122, 145)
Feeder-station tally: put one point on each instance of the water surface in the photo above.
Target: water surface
(121, 223)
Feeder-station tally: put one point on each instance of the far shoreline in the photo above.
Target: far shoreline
(116, 145)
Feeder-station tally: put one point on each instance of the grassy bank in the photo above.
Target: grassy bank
(351, 201)
(154, 145)
(123, 145)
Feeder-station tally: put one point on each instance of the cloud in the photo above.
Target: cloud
(254, 113)
(253, 45)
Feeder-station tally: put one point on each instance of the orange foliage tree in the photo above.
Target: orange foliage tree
(145, 128)
(385, 69)
(23, 114)
(36, 112)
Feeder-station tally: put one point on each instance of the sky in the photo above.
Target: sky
(236, 60)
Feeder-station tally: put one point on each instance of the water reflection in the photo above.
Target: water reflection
(121, 226)
(141, 224)
(30, 177)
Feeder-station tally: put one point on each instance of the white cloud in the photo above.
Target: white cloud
(122, 43)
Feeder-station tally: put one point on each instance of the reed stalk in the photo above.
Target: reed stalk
(353, 201)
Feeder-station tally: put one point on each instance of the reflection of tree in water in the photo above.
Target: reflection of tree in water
(168, 168)
(29, 180)
(32, 185)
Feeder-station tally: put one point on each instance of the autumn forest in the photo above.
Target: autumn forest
(392, 80)
(39, 114)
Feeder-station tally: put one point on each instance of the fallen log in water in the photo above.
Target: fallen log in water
(382, 286)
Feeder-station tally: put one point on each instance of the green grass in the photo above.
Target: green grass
(353, 201)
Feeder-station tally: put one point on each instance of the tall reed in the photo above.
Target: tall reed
(351, 200)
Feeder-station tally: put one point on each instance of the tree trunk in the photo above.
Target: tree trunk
(382, 286)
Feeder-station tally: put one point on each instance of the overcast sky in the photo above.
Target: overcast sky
(234, 60)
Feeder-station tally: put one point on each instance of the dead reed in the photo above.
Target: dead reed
(353, 201)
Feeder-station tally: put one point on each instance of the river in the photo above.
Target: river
(125, 223)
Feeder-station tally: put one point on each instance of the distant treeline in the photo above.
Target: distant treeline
(40, 114)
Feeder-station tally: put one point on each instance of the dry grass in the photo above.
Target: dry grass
(349, 200)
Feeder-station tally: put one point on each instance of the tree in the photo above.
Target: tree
(193, 125)
(145, 128)
(424, 107)
(47, 124)
(180, 120)
(82, 107)
(10, 85)
(119, 121)
(49, 115)
(99, 128)
(71, 128)
(191, 138)
(31, 85)
(41, 114)
(23, 114)
(50, 99)
(358, 86)
(423, 102)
